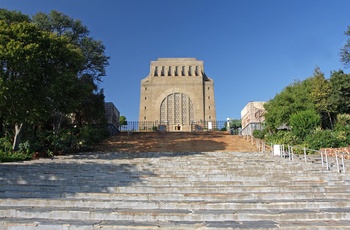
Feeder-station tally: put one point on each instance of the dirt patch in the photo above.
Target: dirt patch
(176, 142)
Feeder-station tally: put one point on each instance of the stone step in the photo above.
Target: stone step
(42, 224)
(197, 205)
(46, 176)
(103, 165)
(119, 167)
(179, 183)
(64, 172)
(174, 189)
(170, 163)
(209, 197)
(102, 194)
(224, 176)
(89, 214)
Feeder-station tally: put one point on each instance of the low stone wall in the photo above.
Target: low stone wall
(332, 151)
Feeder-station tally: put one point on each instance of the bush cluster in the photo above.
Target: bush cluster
(312, 138)
(48, 143)
(7, 154)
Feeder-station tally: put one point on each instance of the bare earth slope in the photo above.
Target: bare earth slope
(176, 142)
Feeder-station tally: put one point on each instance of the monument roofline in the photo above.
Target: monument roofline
(175, 67)
(177, 59)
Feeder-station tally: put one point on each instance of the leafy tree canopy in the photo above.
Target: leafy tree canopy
(294, 98)
(95, 60)
(50, 70)
(340, 91)
(345, 51)
(12, 16)
(89, 100)
(122, 120)
(34, 66)
(304, 122)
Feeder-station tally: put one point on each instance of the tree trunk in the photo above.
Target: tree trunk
(57, 122)
(330, 120)
(18, 135)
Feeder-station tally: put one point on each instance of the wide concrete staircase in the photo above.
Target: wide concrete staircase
(172, 191)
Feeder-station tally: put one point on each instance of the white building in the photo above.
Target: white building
(252, 117)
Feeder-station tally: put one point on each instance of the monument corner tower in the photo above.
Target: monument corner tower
(177, 93)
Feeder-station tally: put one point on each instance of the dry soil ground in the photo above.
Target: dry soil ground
(176, 142)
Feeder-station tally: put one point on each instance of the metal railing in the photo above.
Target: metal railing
(154, 126)
(302, 153)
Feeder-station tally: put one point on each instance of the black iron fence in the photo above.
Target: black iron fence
(156, 126)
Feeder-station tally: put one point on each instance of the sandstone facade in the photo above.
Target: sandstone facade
(252, 117)
(177, 94)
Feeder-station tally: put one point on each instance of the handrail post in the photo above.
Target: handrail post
(321, 158)
(342, 159)
(327, 164)
(289, 152)
(305, 154)
(281, 150)
(263, 147)
(337, 160)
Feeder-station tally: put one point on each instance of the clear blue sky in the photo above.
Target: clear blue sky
(252, 49)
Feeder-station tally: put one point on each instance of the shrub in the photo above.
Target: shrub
(258, 134)
(323, 139)
(7, 154)
(5, 144)
(304, 122)
(282, 137)
(25, 147)
(342, 128)
(13, 156)
(66, 140)
(90, 135)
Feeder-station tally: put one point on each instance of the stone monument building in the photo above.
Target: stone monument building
(177, 94)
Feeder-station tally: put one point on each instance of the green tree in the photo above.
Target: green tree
(320, 95)
(95, 60)
(34, 64)
(340, 91)
(323, 139)
(235, 124)
(292, 99)
(90, 107)
(304, 122)
(13, 16)
(89, 99)
(342, 128)
(9, 17)
(345, 50)
(123, 121)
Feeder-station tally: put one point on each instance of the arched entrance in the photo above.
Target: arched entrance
(176, 110)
